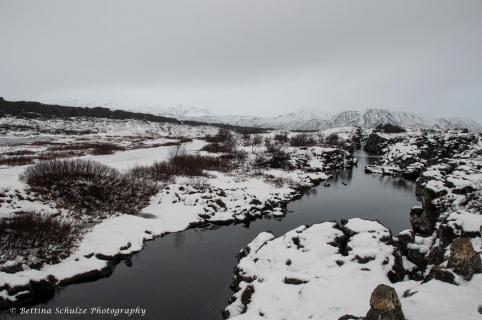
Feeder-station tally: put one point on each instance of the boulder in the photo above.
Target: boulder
(463, 259)
(384, 304)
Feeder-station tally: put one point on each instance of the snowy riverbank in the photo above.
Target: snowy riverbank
(217, 198)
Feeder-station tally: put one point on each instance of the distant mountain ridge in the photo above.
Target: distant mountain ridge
(33, 109)
(313, 120)
(301, 120)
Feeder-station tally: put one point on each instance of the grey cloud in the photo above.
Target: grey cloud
(250, 56)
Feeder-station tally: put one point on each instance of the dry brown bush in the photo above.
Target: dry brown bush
(89, 187)
(183, 165)
(36, 238)
(302, 140)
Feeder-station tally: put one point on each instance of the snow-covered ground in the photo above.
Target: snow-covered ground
(143, 157)
(18, 127)
(320, 272)
(328, 270)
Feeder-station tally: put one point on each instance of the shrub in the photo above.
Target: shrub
(281, 137)
(36, 238)
(199, 183)
(184, 139)
(89, 187)
(333, 139)
(52, 155)
(279, 159)
(279, 182)
(239, 155)
(94, 148)
(389, 128)
(19, 152)
(16, 161)
(256, 141)
(260, 160)
(223, 141)
(268, 142)
(182, 165)
(221, 136)
(105, 148)
(272, 148)
(213, 147)
(302, 140)
(191, 164)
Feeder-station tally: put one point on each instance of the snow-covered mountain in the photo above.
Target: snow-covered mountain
(181, 112)
(301, 120)
(313, 120)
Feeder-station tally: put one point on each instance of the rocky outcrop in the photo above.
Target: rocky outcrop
(328, 258)
(447, 165)
(375, 143)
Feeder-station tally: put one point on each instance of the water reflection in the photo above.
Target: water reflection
(179, 239)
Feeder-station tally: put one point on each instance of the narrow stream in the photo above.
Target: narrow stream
(186, 275)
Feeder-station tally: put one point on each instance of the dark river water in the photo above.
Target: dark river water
(186, 275)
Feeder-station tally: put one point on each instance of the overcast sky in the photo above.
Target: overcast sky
(259, 57)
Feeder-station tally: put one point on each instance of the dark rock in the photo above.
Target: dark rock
(436, 254)
(255, 202)
(375, 143)
(417, 257)
(246, 295)
(464, 260)
(398, 271)
(128, 262)
(220, 203)
(225, 314)
(297, 242)
(43, 290)
(408, 293)
(403, 240)
(363, 260)
(221, 193)
(422, 221)
(350, 317)
(88, 276)
(294, 281)
(440, 274)
(17, 267)
(384, 304)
